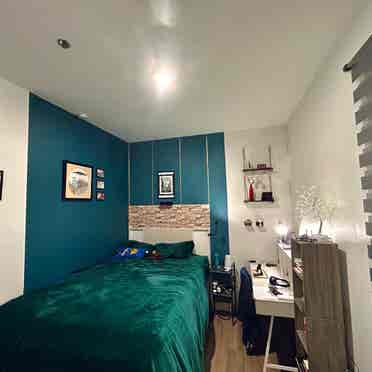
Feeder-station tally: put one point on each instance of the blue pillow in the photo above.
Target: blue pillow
(128, 253)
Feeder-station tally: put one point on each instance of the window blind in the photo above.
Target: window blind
(361, 72)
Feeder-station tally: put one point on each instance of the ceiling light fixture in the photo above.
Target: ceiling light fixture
(63, 43)
(164, 79)
(83, 116)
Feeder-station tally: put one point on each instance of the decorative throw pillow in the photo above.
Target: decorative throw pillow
(128, 253)
(137, 244)
(176, 250)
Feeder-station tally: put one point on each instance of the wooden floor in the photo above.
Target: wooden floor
(229, 354)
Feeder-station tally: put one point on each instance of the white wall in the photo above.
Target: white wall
(13, 160)
(245, 245)
(324, 153)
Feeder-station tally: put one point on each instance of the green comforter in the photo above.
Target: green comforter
(142, 315)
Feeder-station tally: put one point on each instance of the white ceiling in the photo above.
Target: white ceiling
(240, 63)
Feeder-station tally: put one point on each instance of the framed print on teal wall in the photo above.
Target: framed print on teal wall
(166, 185)
(100, 184)
(100, 173)
(77, 181)
(100, 196)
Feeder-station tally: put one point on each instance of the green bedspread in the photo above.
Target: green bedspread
(142, 315)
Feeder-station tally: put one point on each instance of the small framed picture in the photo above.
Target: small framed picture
(166, 185)
(100, 196)
(100, 185)
(100, 173)
(1, 183)
(77, 181)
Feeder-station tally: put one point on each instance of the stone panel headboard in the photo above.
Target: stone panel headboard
(180, 216)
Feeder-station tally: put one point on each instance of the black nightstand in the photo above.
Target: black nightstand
(222, 289)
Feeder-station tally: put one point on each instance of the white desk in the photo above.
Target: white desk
(270, 305)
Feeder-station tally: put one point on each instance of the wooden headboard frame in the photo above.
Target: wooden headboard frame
(172, 235)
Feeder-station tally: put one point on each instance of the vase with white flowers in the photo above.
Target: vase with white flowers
(310, 204)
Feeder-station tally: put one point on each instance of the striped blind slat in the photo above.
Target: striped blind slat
(364, 113)
(361, 67)
(363, 89)
(367, 203)
(365, 159)
(367, 182)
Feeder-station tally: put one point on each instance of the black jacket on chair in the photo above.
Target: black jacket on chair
(255, 327)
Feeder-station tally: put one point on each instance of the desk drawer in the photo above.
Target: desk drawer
(277, 308)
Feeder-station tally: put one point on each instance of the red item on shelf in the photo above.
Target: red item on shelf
(251, 193)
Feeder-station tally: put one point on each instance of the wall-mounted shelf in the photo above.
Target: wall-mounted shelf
(261, 204)
(259, 170)
(258, 191)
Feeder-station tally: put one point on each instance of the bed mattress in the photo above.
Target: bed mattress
(141, 315)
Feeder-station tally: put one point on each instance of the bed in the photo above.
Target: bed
(140, 315)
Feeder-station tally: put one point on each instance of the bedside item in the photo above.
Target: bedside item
(228, 262)
(216, 261)
(222, 291)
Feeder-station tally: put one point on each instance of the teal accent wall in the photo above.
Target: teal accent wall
(64, 236)
(141, 173)
(199, 164)
(218, 194)
(166, 158)
(194, 173)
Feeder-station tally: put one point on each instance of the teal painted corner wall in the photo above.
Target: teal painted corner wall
(63, 236)
(200, 177)
(218, 194)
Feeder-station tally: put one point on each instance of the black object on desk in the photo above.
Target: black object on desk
(222, 289)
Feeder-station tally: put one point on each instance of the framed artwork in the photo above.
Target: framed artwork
(1, 183)
(100, 196)
(77, 181)
(166, 185)
(100, 185)
(100, 173)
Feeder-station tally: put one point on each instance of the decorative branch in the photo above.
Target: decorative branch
(310, 204)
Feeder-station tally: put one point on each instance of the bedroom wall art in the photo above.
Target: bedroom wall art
(77, 181)
(100, 185)
(100, 173)
(62, 237)
(100, 196)
(166, 185)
